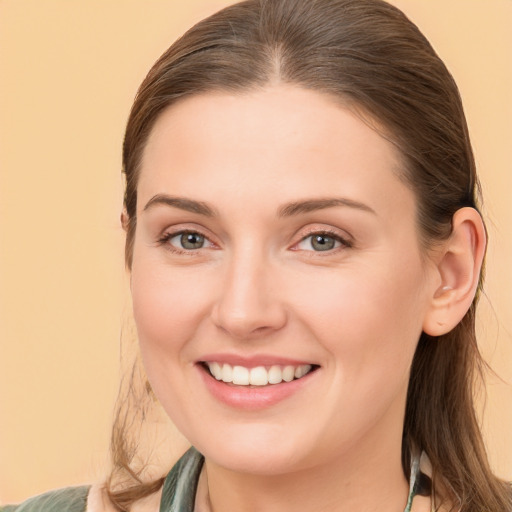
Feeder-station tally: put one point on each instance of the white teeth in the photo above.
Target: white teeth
(227, 373)
(275, 375)
(288, 373)
(259, 375)
(216, 370)
(300, 371)
(240, 375)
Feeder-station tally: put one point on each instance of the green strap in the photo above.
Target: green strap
(180, 486)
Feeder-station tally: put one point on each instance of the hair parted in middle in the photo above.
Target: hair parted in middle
(368, 57)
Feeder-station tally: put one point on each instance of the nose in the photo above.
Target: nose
(248, 305)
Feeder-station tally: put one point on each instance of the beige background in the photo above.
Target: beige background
(69, 71)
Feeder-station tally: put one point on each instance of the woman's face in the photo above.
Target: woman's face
(274, 237)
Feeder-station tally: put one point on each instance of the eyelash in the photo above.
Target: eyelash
(167, 237)
(343, 242)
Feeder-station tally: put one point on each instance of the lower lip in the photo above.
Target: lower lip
(252, 397)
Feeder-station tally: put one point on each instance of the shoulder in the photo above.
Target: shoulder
(69, 499)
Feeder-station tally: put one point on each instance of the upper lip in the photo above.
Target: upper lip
(253, 360)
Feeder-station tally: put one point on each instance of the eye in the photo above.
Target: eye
(320, 242)
(186, 241)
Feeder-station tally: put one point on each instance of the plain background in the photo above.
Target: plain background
(69, 72)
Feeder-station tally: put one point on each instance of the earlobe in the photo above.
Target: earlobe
(124, 219)
(458, 266)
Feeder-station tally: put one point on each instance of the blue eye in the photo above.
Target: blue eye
(319, 242)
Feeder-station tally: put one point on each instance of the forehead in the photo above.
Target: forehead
(280, 140)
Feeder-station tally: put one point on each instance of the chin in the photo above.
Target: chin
(269, 462)
(255, 451)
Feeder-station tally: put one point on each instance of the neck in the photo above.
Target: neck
(359, 481)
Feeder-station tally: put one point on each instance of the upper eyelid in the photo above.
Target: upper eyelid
(177, 230)
(343, 242)
(329, 231)
(168, 234)
(327, 234)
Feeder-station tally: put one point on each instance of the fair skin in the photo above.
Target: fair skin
(273, 230)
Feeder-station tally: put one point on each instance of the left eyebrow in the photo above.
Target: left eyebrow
(311, 205)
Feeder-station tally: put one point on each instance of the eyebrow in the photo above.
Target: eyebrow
(189, 205)
(287, 210)
(311, 205)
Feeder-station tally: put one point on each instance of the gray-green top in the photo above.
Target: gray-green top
(70, 499)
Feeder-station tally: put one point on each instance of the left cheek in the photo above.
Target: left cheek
(363, 315)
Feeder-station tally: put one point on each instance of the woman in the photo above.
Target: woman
(305, 249)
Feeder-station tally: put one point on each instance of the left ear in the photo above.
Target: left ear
(458, 265)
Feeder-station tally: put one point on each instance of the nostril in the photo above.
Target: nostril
(257, 322)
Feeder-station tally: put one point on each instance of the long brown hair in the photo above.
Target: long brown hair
(371, 57)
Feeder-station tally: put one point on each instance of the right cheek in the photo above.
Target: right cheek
(169, 306)
(155, 311)
(160, 337)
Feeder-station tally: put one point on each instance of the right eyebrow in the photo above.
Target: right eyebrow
(189, 205)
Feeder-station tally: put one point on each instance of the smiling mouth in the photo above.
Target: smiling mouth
(259, 375)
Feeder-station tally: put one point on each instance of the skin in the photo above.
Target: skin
(257, 286)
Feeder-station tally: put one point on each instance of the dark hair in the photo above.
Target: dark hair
(369, 55)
